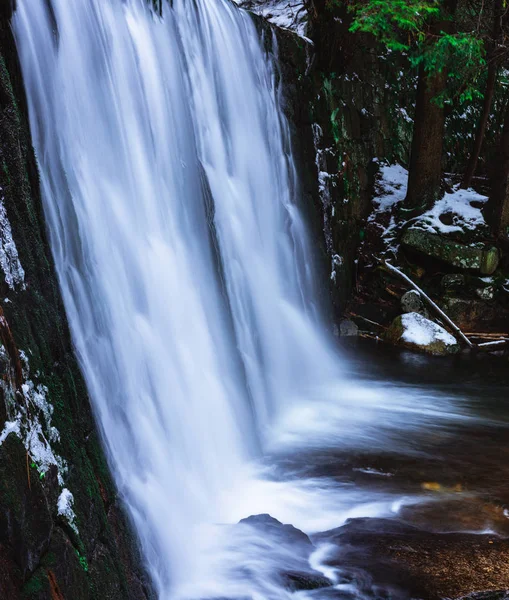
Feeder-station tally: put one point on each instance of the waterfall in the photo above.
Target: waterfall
(171, 199)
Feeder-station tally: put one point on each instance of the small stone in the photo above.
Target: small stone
(453, 281)
(348, 328)
(487, 293)
(411, 301)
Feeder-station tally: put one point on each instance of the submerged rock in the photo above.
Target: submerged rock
(480, 259)
(286, 534)
(416, 332)
(296, 581)
(290, 549)
(497, 595)
(389, 558)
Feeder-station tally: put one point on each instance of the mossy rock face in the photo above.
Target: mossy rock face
(482, 259)
(41, 556)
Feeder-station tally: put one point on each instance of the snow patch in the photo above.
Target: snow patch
(423, 332)
(9, 260)
(30, 412)
(288, 14)
(64, 507)
(9, 427)
(391, 188)
(393, 185)
(457, 205)
(325, 182)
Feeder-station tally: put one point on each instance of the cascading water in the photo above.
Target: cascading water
(170, 195)
(169, 191)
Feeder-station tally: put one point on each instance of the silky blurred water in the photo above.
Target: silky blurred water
(172, 204)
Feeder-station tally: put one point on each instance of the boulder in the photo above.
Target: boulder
(472, 314)
(348, 328)
(486, 293)
(479, 258)
(283, 534)
(416, 332)
(411, 301)
(290, 549)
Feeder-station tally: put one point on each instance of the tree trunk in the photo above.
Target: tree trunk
(426, 155)
(425, 172)
(481, 127)
(493, 60)
(498, 206)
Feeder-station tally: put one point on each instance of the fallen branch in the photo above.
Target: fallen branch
(356, 316)
(368, 336)
(495, 345)
(478, 334)
(433, 305)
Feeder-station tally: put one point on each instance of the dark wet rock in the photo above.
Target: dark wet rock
(297, 580)
(294, 548)
(407, 562)
(476, 258)
(10, 576)
(286, 534)
(498, 595)
(26, 524)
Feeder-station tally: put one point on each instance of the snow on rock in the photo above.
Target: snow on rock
(65, 510)
(391, 189)
(422, 332)
(9, 260)
(9, 427)
(289, 14)
(325, 182)
(458, 212)
(463, 211)
(29, 413)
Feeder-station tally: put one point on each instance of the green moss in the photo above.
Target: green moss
(83, 561)
(36, 584)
